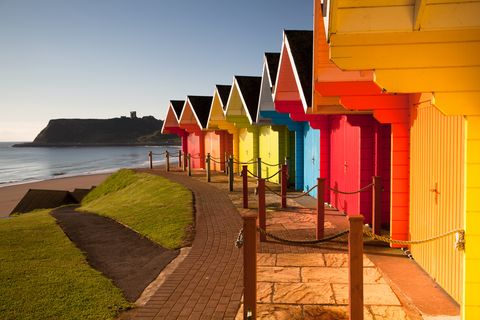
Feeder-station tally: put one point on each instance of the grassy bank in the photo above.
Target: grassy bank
(44, 276)
(151, 205)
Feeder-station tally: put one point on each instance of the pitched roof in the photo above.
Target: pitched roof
(301, 48)
(249, 88)
(177, 107)
(273, 59)
(201, 107)
(224, 92)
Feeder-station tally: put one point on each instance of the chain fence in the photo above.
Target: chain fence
(351, 192)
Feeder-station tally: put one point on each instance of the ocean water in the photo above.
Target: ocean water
(21, 165)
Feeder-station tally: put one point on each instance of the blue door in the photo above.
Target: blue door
(311, 164)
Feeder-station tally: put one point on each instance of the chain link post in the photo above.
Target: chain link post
(259, 167)
(262, 214)
(355, 267)
(150, 159)
(230, 173)
(167, 157)
(320, 208)
(377, 205)
(208, 167)
(250, 266)
(245, 186)
(284, 182)
(189, 164)
(179, 158)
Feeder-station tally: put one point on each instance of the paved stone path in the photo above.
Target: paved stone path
(315, 286)
(208, 284)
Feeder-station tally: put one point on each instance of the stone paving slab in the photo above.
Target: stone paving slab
(315, 286)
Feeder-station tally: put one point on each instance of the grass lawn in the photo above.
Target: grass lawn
(44, 276)
(151, 205)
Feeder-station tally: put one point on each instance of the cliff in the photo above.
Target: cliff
(102, 132)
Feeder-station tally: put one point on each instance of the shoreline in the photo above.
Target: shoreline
(86, 145)
(10, 195)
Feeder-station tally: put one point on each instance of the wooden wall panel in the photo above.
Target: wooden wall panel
(437, 193)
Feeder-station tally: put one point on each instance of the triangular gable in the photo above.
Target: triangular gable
(173, 115)
(270, 66)
(223, 93)
(219, 103)
(195, 112)
(201, 107)
(294, 77)
(243, 98)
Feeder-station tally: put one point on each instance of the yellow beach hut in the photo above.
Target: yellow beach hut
(241, 110)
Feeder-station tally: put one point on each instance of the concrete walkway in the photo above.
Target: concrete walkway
(208, 283)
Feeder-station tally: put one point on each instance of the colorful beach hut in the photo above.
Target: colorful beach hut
(217, 120)
(241, 110)
(171, 124)
(430, 49)
(346, 142)
(193, 120)
(277, 135)
(219, 142)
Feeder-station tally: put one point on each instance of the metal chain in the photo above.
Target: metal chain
(239, 241)
(326, 239)
(248, 162)
(352, 192)
(159, 154)
(459, 243)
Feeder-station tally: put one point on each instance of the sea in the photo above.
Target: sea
(28, 164)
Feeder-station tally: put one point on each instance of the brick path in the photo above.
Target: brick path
(208, 284)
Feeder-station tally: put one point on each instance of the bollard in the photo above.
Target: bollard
(249, 266)
(259, 167)
(355, 267)
(208, 167)
(179, 158)
(284, 180)
(320, 208)
(245, 186)
(167, 157)
(189, 164)
(262, 215)
(377, 205)
(230, 173)
(150, 159)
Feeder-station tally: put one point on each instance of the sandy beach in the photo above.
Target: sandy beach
(10, 195)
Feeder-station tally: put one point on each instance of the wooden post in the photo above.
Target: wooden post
(208, 167)
(355, 267)
(226, 164)
(250, 266)
(150, 159)
(320, 208)
(179, 158)
(189, 164)
(259, 167)
(262, 214)
(230, 173)
(283, 177)
(167, 157)
(377, 205)
(245, 186)
(185, 161)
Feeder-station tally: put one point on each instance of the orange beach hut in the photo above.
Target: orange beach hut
(423, 58)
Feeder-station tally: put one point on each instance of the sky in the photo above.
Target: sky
(105, 58)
